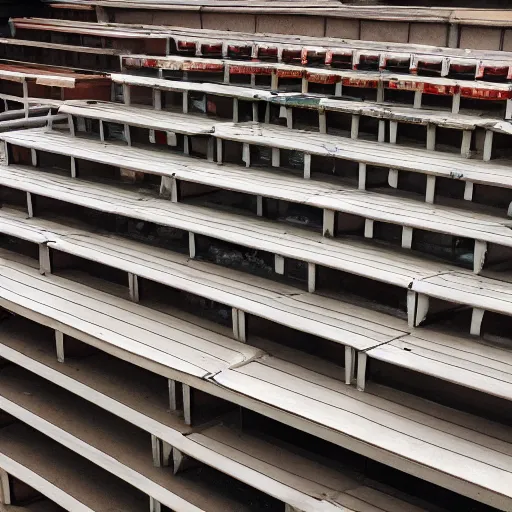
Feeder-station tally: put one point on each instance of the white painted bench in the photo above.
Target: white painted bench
(407, 213)
(367, 153)
(121, 449)
(154, 120)
(57, 473)
(394, 115)
(300, 473)
(287, 102)
(385, 265)
(168, 342)
(446, 454)
(450, 88)
(288, 306)
(105, 382)
(353, 326)
(159, 86)
(458, 360)
(465, 454)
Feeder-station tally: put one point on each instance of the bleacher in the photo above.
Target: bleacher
(245, 271)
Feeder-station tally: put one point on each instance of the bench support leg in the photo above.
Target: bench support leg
(380, 92)
(73, 167)
(289, 118)
(418, 97)
(59, 345)
(161, 451)
(307, 166)
(133, 285)
(311, 277)
(174, 391)
(239, 325)
(338, 89)
(102, 129)
(276, 157)
(5, 488)
(479, 256)
(489, 135)
(210, 150)
(259, 206)
(290, 508)
(368, 228)
(246, 154)
(354, 128)
(468, 191)
(431, 189)
(186, 145)
(154, 506)
(219, 151)
(477, 316)
(393, 178)
(34, 157)
(274, 81)
(431, 137)
(71, 125)
(127, 134)
(184, 102)
(362, 359)
(381, 137)
(322, 122)
(45, 265)
(157, 99)
(361, 184)
(127, 97)
(191, 245)
(304, 85)
(169, 188)
(187, 404)
(328, 223)
(30, 205)
(465, 148)
(8, 153)
(417, 308)
(508, 109)
(456, 103)
(349, 364)
(255, 114)
(407, 233)
(279, 264)
(393, 132)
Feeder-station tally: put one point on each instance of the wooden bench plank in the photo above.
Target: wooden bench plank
(486, 293)
(260, 234)
(384, 208)
(122, 449)
(344, 323)
(243, 93)
(144, 333)
(462, 361)
(303, 474)
(438, 86)
(140, 116)
(64, 477)
(371, 153)
(105, 383)
(378, 263)
(446, 444)
(437, 445)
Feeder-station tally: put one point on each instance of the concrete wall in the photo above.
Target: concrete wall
(438, 33)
